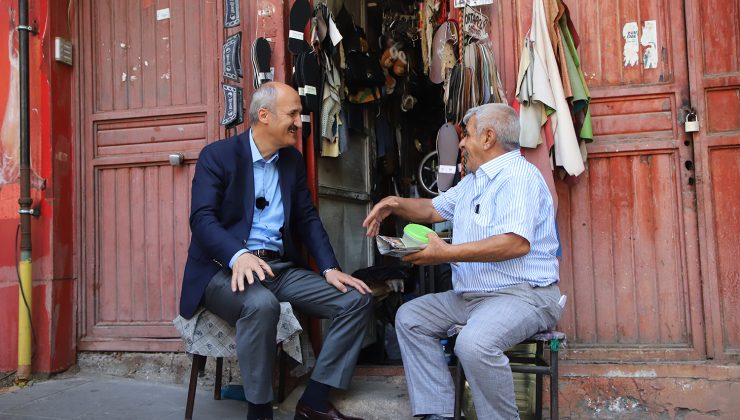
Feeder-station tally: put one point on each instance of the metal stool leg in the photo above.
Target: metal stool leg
(459, 390)
(554, 347)
(198, 360)
(217, 385)
(539, 353)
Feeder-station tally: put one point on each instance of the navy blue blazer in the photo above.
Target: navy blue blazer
(221, 213)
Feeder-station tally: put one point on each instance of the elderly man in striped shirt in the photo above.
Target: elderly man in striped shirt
(504, 271)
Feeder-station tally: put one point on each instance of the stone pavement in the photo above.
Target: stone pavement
(90, 396)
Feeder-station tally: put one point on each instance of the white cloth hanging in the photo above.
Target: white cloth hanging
(539, 86)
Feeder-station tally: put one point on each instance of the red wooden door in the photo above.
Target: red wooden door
(148, 89)
(714, 66)
(628, 227)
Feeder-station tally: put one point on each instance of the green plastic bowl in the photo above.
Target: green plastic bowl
(414, 234)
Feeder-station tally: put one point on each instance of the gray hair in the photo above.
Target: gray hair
(264, 97)
(500, 118)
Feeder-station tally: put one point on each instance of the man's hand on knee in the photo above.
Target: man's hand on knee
(247, 265)
(341, 280)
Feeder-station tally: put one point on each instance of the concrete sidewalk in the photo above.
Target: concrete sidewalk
(86, 396)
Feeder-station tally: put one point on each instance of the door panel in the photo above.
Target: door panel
(628, 224)
(150, 89)
(629, 288)
(601, 24)
(142, 62)
(714, 67)
(140, 244)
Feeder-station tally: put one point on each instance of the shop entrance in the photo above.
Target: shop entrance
(644, 263)
(392, 143)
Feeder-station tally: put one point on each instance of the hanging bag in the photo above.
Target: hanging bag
(363, 71)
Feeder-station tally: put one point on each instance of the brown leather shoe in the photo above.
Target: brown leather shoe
(304, 412)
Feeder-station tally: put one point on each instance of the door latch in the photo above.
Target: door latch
(691, 124)
(177, 159)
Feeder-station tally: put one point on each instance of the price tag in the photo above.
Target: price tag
(475, 23)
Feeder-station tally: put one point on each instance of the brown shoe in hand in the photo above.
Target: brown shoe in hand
(304, 412)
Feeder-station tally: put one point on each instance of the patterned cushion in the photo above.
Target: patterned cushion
(548, 335)
(208, 335)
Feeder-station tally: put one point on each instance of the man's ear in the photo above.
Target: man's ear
(490, 139)
(262, 114)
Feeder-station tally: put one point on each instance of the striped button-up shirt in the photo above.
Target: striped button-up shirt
(505, 195)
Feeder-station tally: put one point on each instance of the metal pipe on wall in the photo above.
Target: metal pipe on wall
(25, 351)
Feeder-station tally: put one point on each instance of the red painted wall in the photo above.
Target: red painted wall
(54, 288)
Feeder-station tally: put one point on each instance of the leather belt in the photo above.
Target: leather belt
(265, 253)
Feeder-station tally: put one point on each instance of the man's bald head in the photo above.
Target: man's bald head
(266, 97)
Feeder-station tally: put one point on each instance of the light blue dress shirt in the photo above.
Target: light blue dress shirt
(266, 223)
(505, 195)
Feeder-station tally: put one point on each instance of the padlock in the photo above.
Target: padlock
(692, 123)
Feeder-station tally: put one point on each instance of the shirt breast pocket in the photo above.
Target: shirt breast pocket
(483, 213)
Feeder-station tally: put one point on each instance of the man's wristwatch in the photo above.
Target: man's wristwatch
(323, 273)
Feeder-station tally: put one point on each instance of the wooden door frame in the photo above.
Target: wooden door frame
(78, 114)
(84, 184)
(707, 232)
(686, 206)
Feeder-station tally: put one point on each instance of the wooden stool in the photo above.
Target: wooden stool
(206, 335)
(199, 363)
(536, 364)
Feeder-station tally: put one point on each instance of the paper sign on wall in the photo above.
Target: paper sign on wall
(462, 3)
(631, 45)
(649, 40)
(163, 14)
(475, 23)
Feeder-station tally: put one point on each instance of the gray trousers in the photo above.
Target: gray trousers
(494, 322)
(255, 313)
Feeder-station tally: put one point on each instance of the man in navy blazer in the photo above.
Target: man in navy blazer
(250, 208)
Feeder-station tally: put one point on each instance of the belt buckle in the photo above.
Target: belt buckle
(262, 253)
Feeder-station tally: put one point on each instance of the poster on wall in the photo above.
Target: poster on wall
(631, 51)
(475, 23)
(649, 40)
(463, 3)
